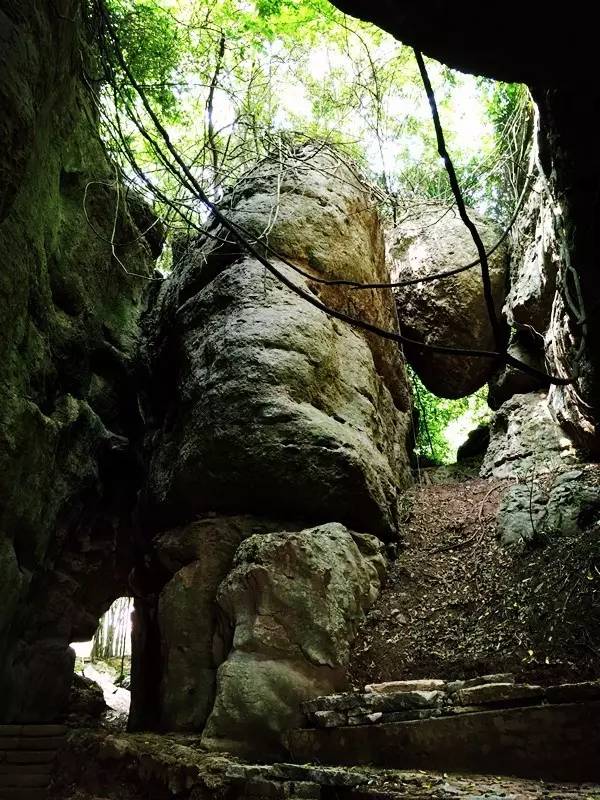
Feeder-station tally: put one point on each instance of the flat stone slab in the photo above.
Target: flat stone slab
(425, 684)
(459, 697)
(551, 742)
(503, 677)
(574, 692)
(505, 693)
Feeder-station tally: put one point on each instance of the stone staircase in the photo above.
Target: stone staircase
(125, 766)
(487, 725)
(27, 754)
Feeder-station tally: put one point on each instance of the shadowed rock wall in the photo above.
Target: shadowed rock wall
(451, 312)
(68, 407)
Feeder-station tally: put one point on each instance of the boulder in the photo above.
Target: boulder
(536, 511)
(535, 258)
(193, 641)
(263, 403)
(451, 311)
(294, 602)
(86, 699)
(525, 439)
(508, 380)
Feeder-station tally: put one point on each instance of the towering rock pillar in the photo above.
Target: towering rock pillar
(266, 407)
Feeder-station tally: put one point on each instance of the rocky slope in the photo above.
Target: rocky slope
(488, 583)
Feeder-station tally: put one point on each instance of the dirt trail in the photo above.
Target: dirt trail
(457, 604)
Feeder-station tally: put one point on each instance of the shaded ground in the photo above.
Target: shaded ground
(456, 604)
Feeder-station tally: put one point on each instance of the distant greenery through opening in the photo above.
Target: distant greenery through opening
(443, 425)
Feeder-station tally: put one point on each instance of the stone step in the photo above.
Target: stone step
(14, 793)
(399, 701)
(550, 742)
(27, 754)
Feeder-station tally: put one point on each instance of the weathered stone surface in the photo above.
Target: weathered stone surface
(502, 677)
(214, 535)
(452, 311)
(329, 719)
(294, 602)
(573, 692)
(68, 314)
(379, 707)
(509, 380)
(534, 262)
(193, 642)
(573, 354)
(288, 412)
(500, 693)
(525, 439)
(423, 684)
(535, 510)
(521, 514)
(333, 702)
(403, 701)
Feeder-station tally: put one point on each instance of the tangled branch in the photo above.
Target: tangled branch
(171, 158)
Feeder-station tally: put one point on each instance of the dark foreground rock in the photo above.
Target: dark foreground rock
(69, 309)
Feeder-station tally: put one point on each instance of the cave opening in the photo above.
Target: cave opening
(105, 660)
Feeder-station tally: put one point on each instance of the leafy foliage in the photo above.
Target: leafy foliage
(231, 78)
(436, 416)
(154, 48)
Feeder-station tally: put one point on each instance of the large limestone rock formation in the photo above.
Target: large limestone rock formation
(545, 307)
(194, 641)
(537, 510)
(262, 404)
(451, 311)
(68, 408)
(294, 602)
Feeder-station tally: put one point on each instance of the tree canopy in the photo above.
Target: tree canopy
(235, 81)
